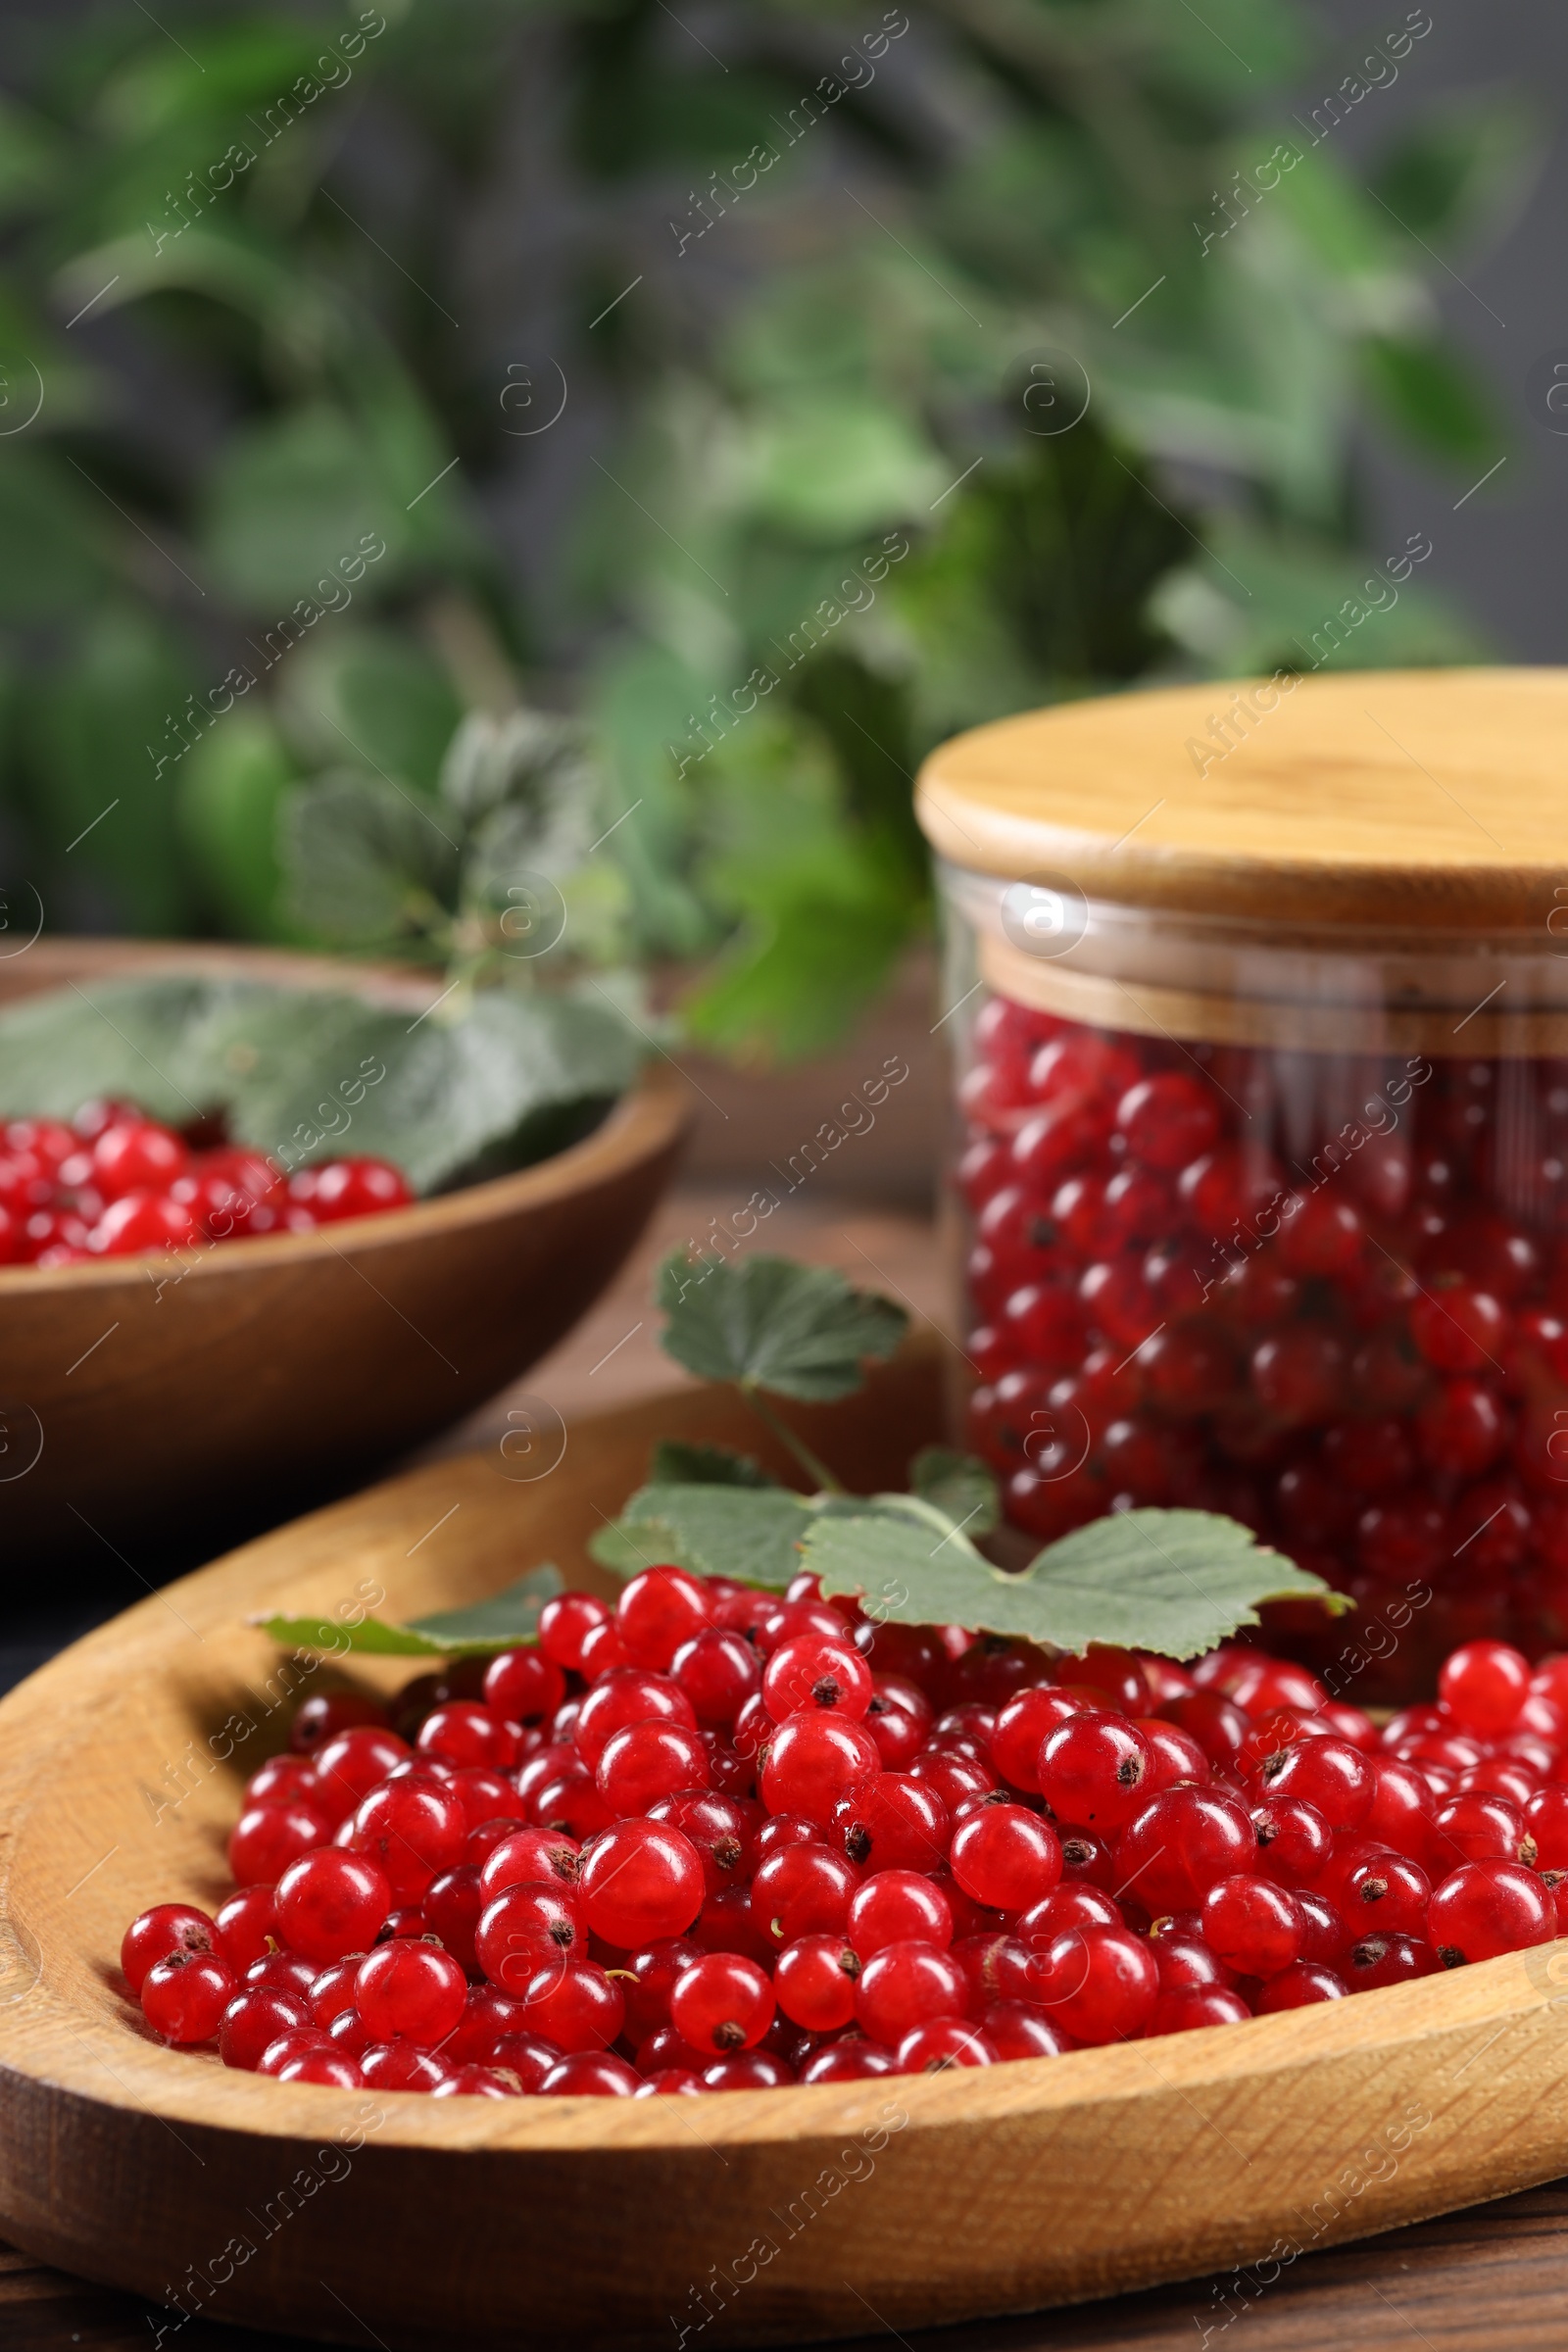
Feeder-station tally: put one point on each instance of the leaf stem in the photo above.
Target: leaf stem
(826, 1482)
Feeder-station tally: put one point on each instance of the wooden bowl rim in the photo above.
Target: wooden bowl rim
(641, 1121)
(108, 2062)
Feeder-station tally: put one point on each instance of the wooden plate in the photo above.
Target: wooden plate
(137, 1394)
(751, 2217)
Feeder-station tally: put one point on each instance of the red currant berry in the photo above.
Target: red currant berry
(566, 1622)
(330, 1902)
(650, 1980)
(291, 1972)
(352, 1188)
(1168, 1120)
(1022, 1728)
(813, 1674)
(1108, 1676)
(268, 1838)
(282, 1781)
(719, 1672)
(253, 2021)
(351, 1762)
(401, 2066)
(1298, 1985)
(896, 1821)
(813, 1761)
(722, 2003)
(1374, 1961)
(1183, 1842)
(1545, 1820)
(412, 1991)
(670, 2082)
(1483, 1908)
(137, 1156)
(1484, 1686)
(851, 2060)
(529, 1858)
(722, 1829)
(1099, 1983)
(183, 1995)
(476, 2082)
(522, 1685)
(295, 2041)
(1253, 1926)
(909, 1985)
(1005, 1857)
(640, 1880)
(898, 1906)
(801, 1890)
(462, 1732)
(1174, 1755)
(628, 1694)
(332, 1991)
(523, 2058)
(1457, 1327)
(1320, 1235)
(1331, 1774)
(246, 1926)
(1293, 1841)
(814, 1979)
(899, 1720)
(413, 1829)
(571, 1806)
(648, 1761)
(748, 2070)
(524, 1930)
(1016, 2029)
(1186, 1960)
(1298, 1374)
(452, 1906)
(942, 2044)
(1187, 2007)
(578, 2007)
(1477, 1828)
(658, 1611)
(1092, 1771)
(166, 1930)
(140, 1221)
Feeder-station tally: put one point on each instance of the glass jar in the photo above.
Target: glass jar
(1260, 1027)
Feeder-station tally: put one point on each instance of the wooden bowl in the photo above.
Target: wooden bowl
(277, 1369)
(748, 2218)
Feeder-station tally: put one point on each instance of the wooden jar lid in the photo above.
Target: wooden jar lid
(1424, 801)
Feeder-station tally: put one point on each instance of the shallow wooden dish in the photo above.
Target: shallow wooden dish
(754, 2218)
(283, 1367)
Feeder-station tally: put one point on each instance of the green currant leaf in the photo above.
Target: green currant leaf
(503, 1621)
(959, 1483)
(453, 1097)
(305, 1074)
(673, 1464)
(1172, 1581)
(799, 1331)
(365, 864)
(61, 1047)
(750, 1533)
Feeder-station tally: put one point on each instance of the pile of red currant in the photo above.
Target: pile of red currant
(114, 1182)
(719, 1840)
(1325, 1294)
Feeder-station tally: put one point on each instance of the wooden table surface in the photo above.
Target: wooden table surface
(1494, 2279)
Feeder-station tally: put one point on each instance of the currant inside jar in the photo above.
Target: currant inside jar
(1259, 999)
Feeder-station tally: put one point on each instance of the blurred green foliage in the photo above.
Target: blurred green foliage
(632, 338)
